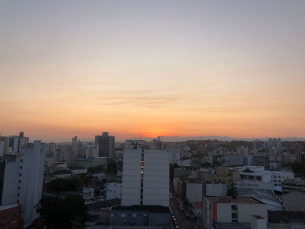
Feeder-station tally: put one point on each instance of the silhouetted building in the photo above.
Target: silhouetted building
(106, 144)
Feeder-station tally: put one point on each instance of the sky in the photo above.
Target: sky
(149, 68)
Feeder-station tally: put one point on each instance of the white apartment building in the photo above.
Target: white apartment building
(91, 151)
(227, 210)
(23, 179)
(12, 144)
(134, 144)
(253, 184)
(260, 174)
(278, 176)
(145, 178)
(174, 155)
(114, 191)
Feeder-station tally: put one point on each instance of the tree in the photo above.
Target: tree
(232, 192)
(119, 166)
(71, 183)
(63, 213)
(298, 167)
(195, 162)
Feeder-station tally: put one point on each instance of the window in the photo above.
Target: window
(122, 215)
(134, 215)
(142, 172)
(18, 188)
(3, 218)
(20, 167)
(21, 160)
(19, 181)
(112, 215)
(19, 174)
(14, 221)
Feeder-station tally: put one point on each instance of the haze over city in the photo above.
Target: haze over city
(151, 68)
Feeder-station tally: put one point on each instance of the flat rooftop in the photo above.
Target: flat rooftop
(149, 208)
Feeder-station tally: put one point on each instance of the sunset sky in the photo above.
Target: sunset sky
(171, 68)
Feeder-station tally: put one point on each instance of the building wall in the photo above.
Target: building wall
(245, 211)
(216, 189)
(131, 181)
(10, 182)
(114, 190)
(239, 184)
(11, 217)
(224, 213)
(155, 178)
(194, 192)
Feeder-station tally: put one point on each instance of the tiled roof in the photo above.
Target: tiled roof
(198, 204)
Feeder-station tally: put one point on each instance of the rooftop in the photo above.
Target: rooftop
(4, 207)
(198, 204)
(294, 201)
(149, 208)
(285, 216)
(62, 172)
(192, 180)
(261, 195)
(229, 199)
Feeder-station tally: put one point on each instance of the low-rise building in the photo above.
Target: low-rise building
(265, 196)
(140, 215)
(295, 219)
(233, 161)
(197, 208)
(226, 210)
(223, 175)
(114, 190)
(10, 216)
(216, 189)
(289, 185)
(253, 184)
(294, 201)
(191, 189)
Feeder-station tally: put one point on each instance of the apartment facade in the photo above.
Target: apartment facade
(22, 179)
(145, 178)
(106, 144)
(226, 210)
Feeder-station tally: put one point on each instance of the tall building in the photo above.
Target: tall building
(12, 144)
(145, 178)
(298, 148)
(21, 179)
(106, 144)
(242, 151)
(257, 144)
(157, 144)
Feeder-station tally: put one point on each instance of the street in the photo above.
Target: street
(183, 223)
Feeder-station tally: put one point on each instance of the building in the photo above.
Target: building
(259, 160)
(232, 161)
(298, 148)
(141, 215)
(12, 144)
(224, 175)
(227, 210)
(257, 144)
(114, 190)
(216, 189)
(253, 184)
(157, 144)
(22, 179)
(91, 151)
(242, 151)
(10, 216)
(106, 144)
(191, 189)
(260, 174)
(145, 178)
(289, 185)
(295, 219)
(294, 201)
(134, 144)
(197, 208)
(265, 196)
(94, 162)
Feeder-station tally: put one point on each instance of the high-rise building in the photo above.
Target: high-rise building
(106, 144)
(21, 179)
(157, 144)
(298, 148)
(145, 178)
(257, 144)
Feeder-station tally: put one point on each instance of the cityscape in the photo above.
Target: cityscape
(133, 114)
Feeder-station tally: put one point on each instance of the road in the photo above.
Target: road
(183, 223)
